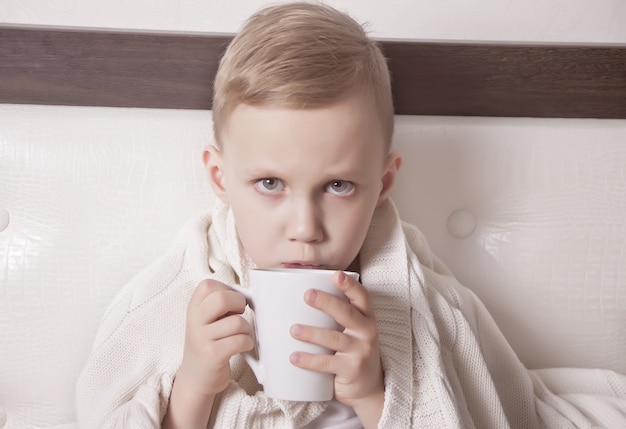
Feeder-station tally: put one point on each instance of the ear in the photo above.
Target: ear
(392, 165)
(212, 158)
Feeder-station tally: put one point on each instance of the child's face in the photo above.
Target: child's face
(303, 184)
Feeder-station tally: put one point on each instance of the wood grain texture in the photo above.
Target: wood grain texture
(509, 80)
(71, 66)
(107, 68)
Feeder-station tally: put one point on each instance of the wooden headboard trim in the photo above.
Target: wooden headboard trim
(89, 67)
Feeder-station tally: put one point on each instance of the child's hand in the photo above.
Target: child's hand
(356, 363)
(215, 331)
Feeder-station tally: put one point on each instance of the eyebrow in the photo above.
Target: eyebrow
(277, 170)
(261, 173)
(256, 171)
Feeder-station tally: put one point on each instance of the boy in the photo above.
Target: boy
(302, 169)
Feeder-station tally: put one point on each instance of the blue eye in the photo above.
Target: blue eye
(269, 185)
(340, 187)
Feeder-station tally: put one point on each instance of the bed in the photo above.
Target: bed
(514, 168)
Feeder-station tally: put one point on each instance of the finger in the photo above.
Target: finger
(227, 327)
(355, 292)
(344, 313)
(229, 346)
(204, 289)
(347, 366)
(218, 301)
(219, 305)
(321, 363)
(328, 338)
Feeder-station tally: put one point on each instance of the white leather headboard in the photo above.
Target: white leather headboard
(92, 195)
(529, 213)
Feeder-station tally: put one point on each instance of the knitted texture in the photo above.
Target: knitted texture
(445, 362)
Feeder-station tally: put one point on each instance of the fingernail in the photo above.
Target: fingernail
(341, 277)
(294, 358)
(311, 296)
(296, 330)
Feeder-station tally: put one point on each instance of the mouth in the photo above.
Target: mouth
(303, 265)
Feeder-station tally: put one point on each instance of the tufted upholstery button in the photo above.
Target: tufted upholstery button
(462, 223)
(4, 223)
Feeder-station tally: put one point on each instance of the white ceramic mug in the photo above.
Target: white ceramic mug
(277, 298)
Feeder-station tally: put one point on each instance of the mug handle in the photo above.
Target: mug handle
(253, 362)
(245, 292)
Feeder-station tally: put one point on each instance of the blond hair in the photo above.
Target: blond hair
(301, 56)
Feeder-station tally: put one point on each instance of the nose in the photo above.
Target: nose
(305, 222)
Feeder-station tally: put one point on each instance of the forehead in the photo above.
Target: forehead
(345, 136)
(352, 121)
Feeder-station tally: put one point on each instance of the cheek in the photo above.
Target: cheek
(352, 228)
(256, 231)
(356, 228)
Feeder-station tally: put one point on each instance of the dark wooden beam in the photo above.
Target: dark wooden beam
(108, 68)
(89, 67)
(509, 80)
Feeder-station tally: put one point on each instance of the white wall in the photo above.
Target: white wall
(598, 21)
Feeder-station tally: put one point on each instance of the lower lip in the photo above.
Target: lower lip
(307, 267)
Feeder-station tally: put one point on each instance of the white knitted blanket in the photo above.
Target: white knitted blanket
(445, 362)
